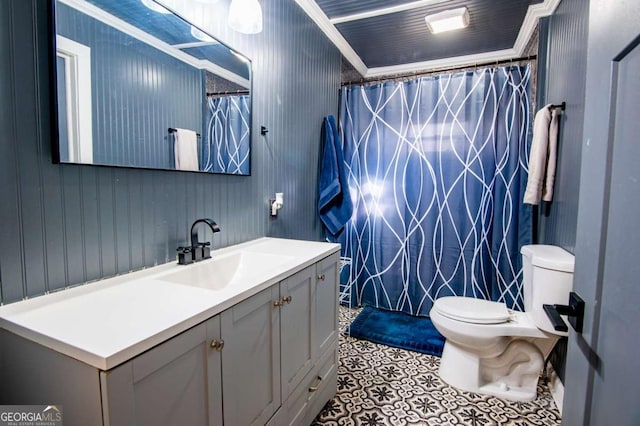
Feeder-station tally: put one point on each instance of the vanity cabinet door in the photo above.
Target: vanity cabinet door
(325, 305)
(175, 383)
(251, 359)
(296, 317)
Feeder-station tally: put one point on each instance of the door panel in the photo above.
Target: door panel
(325, 324)
(251, 359)
(620, 300)
(175, 383)
(295, 326)
(602, 374)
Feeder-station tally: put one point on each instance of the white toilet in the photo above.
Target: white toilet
(493, 350)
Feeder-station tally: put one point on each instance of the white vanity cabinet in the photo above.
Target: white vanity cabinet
(251, 359)
(274, 342)
(268, 359)
(177, 382)
(310, 388)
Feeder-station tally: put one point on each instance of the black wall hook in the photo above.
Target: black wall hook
(263, 130)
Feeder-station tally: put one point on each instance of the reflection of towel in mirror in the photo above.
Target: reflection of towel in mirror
(542, 160)
(186, 149)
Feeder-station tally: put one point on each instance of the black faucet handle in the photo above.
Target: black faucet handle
(185, 255)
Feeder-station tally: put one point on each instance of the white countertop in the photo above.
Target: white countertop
(108, 322)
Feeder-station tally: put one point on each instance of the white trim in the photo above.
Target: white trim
(194, 44)
(117, 23)
(384, 11)
(456, 61)
(321, 20)
(555, 387)
(78, 94)
(534, 13)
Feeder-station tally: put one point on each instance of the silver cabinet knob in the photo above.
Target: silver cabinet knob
(286, 299)
(321, 277)
(277, 303)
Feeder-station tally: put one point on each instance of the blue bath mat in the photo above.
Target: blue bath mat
(397, 329)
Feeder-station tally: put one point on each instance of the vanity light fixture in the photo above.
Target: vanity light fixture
(448, 20)
(155, 7)
(245, 16)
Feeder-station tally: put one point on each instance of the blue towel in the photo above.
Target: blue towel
(334, 201)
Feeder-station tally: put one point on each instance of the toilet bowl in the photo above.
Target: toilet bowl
(492, 350)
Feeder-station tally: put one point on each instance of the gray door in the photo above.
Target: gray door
(603, 375)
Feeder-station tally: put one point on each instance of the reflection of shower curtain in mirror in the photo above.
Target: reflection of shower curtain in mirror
(437, 168)
(226, 149)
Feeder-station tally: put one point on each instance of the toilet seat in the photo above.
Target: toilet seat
(472, 310)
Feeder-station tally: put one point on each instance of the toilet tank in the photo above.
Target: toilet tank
(547, 277)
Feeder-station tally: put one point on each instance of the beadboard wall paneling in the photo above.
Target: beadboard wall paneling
(138, 91)
(64, 225)
(565, 60)
(562, 69)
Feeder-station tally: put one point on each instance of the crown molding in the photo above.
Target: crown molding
(385, 11)
(457, 61)
(312, 9)
(534, 13)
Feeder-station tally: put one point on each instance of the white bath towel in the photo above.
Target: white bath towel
(542, 160)
(186, 149)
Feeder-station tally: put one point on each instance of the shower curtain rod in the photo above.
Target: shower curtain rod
(404, 77)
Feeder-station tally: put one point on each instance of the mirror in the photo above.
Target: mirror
(138, 86)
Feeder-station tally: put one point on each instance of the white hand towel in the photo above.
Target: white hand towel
(550, 175)
(542, 160)
(186, 149)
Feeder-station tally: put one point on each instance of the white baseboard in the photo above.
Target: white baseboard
(555, 386)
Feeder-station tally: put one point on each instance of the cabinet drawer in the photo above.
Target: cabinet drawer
(321, 378)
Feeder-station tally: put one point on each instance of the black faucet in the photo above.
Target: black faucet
(197, 251)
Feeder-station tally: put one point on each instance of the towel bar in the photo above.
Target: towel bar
(172, 130)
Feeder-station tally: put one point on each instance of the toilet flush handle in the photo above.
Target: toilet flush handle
(574, 310)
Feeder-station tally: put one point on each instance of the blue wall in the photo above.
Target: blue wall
(563, 62)
(138, 92)
(63, 225)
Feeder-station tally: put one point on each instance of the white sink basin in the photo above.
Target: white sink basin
(223, 271)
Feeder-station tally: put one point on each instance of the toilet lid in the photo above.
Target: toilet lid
(470, 309)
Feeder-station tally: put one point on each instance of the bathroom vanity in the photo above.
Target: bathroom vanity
(246, 338)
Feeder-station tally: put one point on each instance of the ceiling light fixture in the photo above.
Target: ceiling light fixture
(245, 16)
(155, 7)
(448, 20)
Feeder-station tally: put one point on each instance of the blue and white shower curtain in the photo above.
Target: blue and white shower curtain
(437, 168)
(226, 149)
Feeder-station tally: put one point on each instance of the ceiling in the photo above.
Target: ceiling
(383, 37)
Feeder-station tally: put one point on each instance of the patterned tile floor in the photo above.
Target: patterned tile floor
(380, 385)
